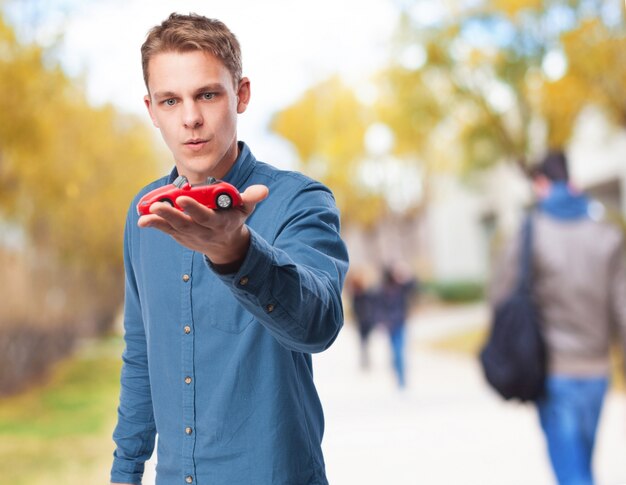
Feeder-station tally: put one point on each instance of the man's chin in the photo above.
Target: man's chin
(197, 170)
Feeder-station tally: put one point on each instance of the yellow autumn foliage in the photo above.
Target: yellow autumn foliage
(494, 75)
(68, 172)
(327, 126)
(513, 8)
(597, 59)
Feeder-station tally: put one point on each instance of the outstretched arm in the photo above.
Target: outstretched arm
(221, 235)
(290, 279)
(292, 276)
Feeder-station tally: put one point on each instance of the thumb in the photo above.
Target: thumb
(253, 195)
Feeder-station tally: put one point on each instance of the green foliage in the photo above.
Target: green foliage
(77, 400)
(60, 432)
(457, 291)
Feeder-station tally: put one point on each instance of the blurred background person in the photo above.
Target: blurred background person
(363, 300)
(394, 299)
(579, 280)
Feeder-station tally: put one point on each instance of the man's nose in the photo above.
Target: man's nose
(192, 117)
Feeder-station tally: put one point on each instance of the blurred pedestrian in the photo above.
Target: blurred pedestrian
(394, 300)
(363, 300)
(579, 280)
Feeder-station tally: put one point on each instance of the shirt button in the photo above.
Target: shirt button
(187, 329)
(188, 430)
(186, 278)
(187, 380)
(270, 308)
(244, 281)
(189, 479)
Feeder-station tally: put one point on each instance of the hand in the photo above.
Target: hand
(219, 234)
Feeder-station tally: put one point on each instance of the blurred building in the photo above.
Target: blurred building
(465, 222)
(598, 160)
(452, 240)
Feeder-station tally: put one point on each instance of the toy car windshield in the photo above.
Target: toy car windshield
(180, 181)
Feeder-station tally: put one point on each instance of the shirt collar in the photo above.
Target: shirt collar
(238, 173)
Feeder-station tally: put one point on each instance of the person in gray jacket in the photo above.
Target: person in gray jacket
(579, 280)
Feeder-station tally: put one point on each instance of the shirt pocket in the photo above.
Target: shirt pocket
(226, 313)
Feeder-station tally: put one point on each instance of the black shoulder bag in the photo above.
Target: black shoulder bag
(513, 358)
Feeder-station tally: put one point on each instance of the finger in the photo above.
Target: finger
(163, 226)
(194, 209)
(174, 217)
(162, 208)
(155, 222)
(146, 221)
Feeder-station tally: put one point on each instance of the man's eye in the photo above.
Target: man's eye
(208, 95)
(169, 102)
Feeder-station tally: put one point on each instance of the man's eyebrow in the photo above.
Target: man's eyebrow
(211, 87)
(203, 89)
(164, 94)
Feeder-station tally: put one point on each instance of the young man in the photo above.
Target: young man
(223, 308)
(579, 280)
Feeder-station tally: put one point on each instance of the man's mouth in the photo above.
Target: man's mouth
(195, 141)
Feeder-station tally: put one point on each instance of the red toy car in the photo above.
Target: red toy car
(215, 194)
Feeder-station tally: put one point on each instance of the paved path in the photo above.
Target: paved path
(447, 428)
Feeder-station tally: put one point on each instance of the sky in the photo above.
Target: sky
(287, 46)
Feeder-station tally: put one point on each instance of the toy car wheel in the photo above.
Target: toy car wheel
(223, 201)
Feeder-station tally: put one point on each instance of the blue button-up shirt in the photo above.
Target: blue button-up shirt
(219, 365)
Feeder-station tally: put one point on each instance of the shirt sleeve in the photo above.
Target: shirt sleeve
(135, 432)
(293, 285)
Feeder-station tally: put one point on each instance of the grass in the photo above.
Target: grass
(468, 342)
(60, 432)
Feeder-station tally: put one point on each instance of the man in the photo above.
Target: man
(579, 280)
(396, 291)
(223, 308)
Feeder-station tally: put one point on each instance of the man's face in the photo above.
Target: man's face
(193, 102)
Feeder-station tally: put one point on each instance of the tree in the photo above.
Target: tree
(67, 174)
(596, 71)
(510, 77)
(481, 83)
(327, 126)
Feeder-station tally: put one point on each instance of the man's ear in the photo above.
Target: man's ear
(148, 102)
(243, 95)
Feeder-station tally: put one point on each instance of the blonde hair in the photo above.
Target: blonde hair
(184, 33)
